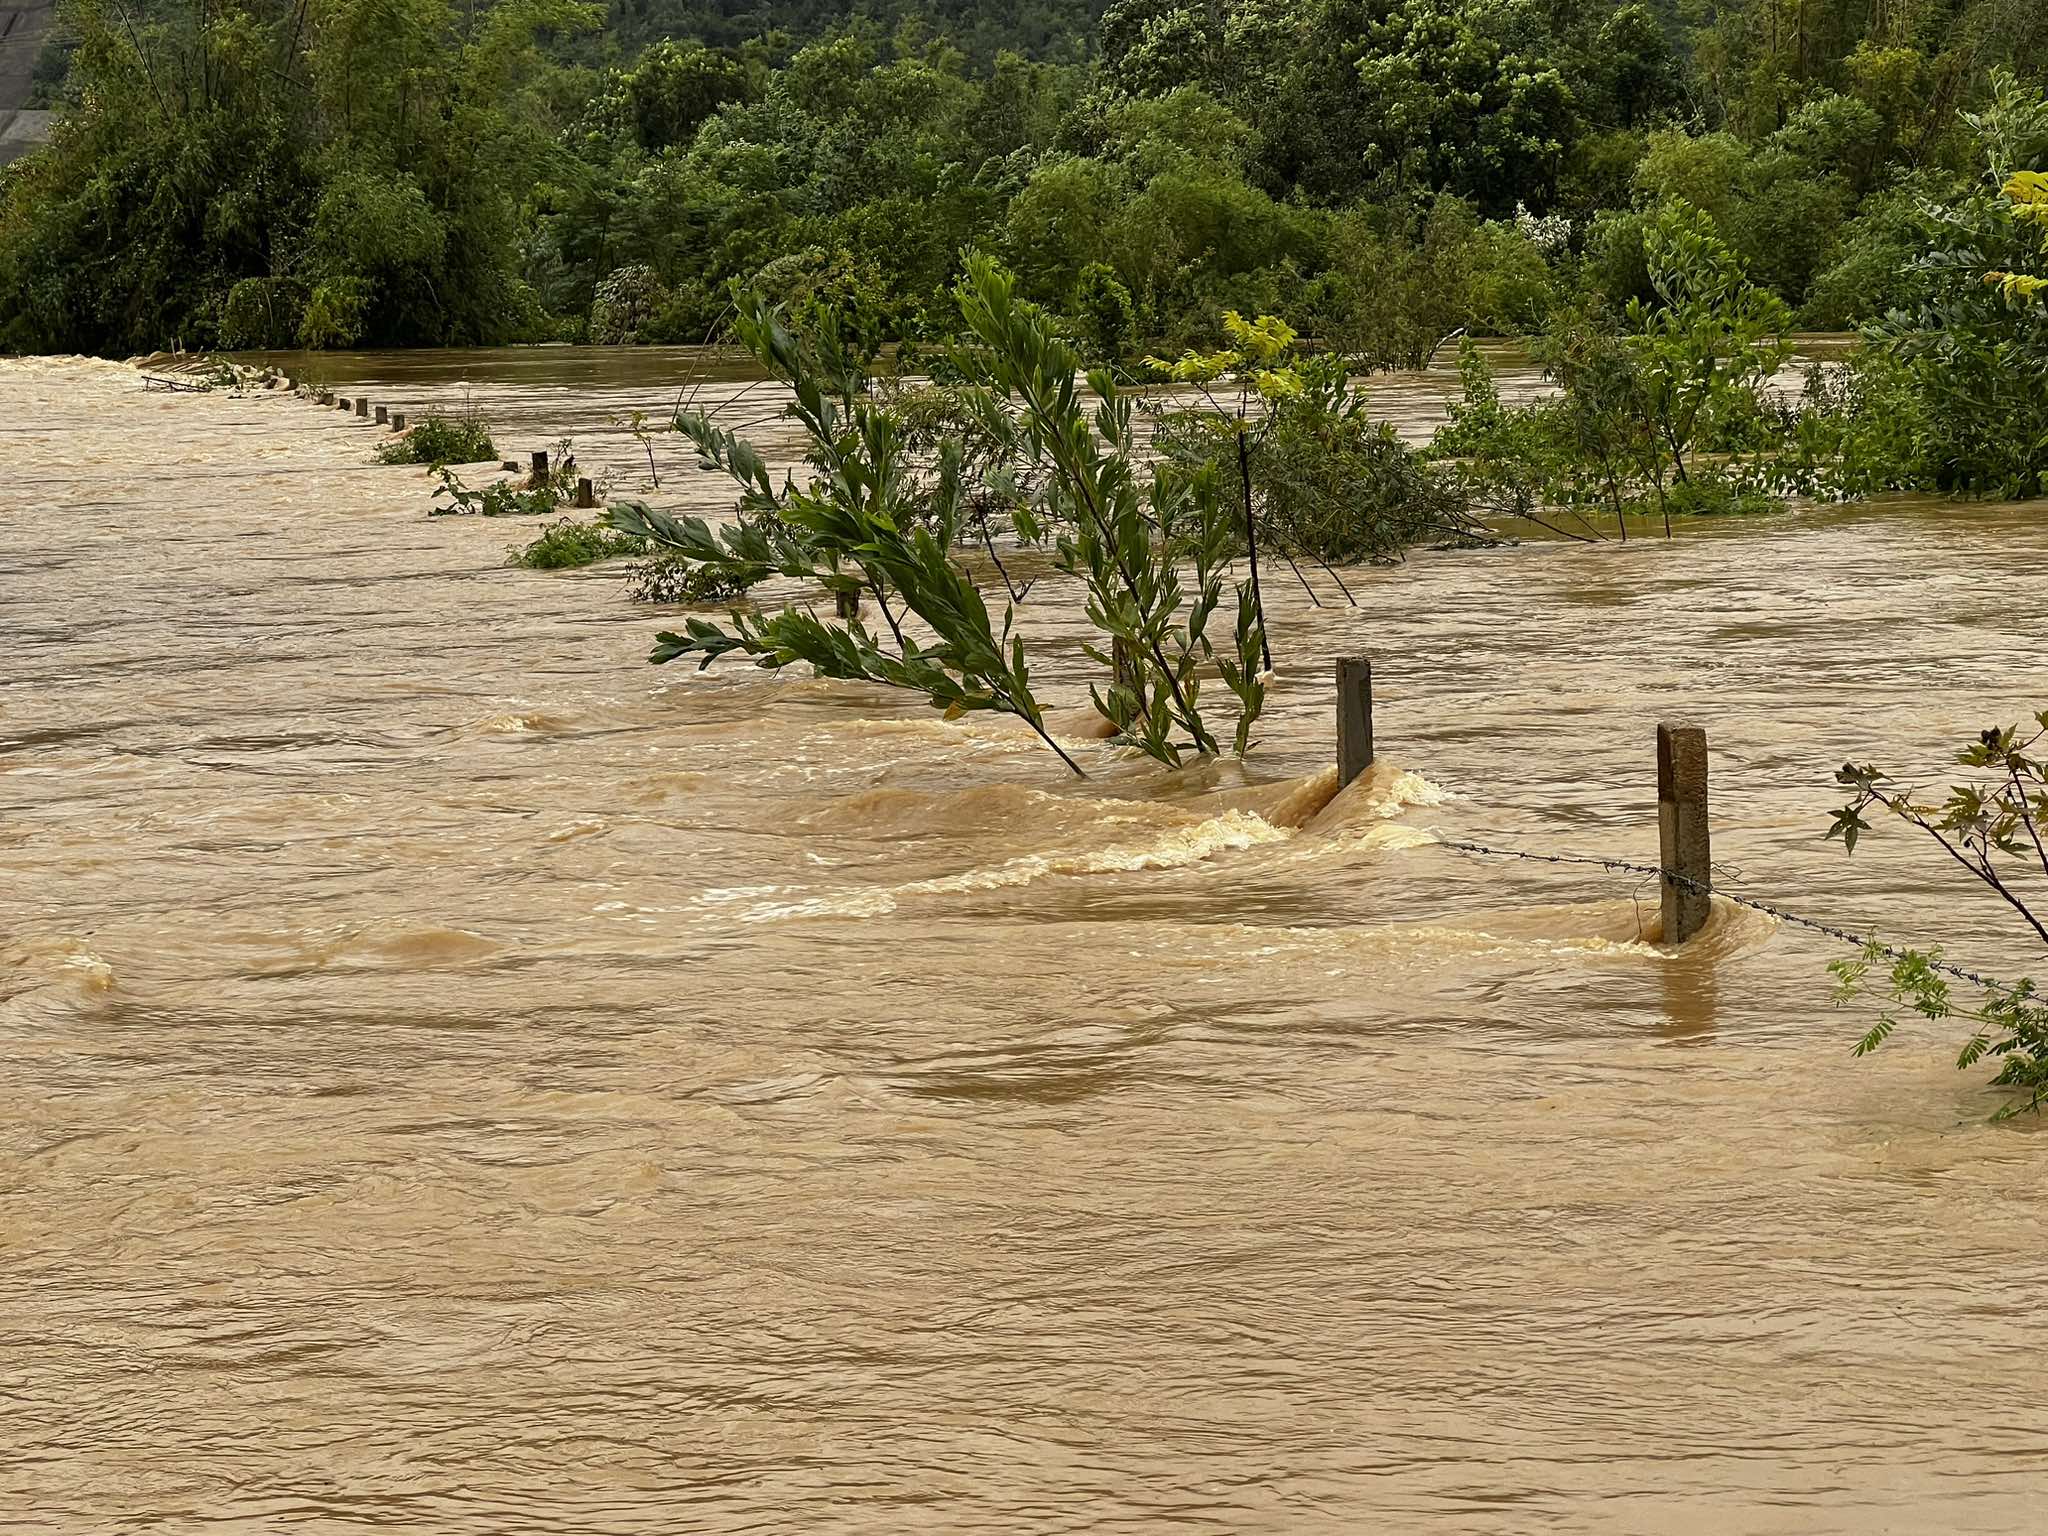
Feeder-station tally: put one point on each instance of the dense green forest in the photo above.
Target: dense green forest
(1379, 173)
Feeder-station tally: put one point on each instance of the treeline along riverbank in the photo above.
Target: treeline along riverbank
(1377, 173)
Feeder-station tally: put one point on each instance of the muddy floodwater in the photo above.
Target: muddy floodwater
(455, 1077)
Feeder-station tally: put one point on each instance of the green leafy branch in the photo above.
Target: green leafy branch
(1981, 823)
(1992, 828)
(1126, 546)
(853, 528)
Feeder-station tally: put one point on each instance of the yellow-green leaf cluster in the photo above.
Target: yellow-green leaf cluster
(2017, 287)
(1262, 340)
(2027, 191)
(1258, 345)
(1193, 367)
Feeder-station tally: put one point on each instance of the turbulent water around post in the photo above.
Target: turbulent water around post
(455, 1077)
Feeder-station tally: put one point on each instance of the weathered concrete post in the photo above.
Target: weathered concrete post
(847, 605)
(398, 421)
(326, 397)
(586, 495)
(362, 405)
(1354, 717)
(540, 467)
(1684, 851)
(383, 416)
(343, 403)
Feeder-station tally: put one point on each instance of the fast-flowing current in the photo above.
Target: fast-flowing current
(455, 1077)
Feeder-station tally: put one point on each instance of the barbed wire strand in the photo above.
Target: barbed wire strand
(1771, 909)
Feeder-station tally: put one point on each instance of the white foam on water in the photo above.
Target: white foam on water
(1170, 849)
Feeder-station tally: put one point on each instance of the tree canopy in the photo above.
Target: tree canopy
(1380, 173)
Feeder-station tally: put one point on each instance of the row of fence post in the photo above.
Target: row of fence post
(1684, 845)
(359, 406)
(586, 493)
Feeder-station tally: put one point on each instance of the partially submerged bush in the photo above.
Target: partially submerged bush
(440, 439)
(1642, 396)
(509, 498)
(569, 543)
(501, 498)
(1969, 348)
(1329, 483)
(675, 578)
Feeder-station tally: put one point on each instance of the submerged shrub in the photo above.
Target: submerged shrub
(1970, 347)
(1325, 480)
(501, 498)
(679, 579)
(1719, 492)
(1105, 319)
(877, 521)
(565, 545)
(437, 439)
(1330, 484)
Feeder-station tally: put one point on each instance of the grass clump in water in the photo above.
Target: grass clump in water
(438, 439)
(565, 545)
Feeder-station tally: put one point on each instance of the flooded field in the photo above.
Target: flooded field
(455, 1077)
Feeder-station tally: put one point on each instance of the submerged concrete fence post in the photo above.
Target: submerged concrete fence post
(362, 405)
(586, 495)
(326, 397)
(540, 467)
(847, 605)
(1354, 717)
(383, 416)
(398, 421)
(1684, 849)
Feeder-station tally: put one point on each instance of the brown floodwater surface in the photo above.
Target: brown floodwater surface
(457, 1078)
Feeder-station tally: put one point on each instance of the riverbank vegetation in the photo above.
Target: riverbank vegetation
(1662, 407)
(1378, 175)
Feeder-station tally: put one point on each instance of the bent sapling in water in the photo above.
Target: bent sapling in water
(876, 519)
(865, 523)
(1127, 547)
